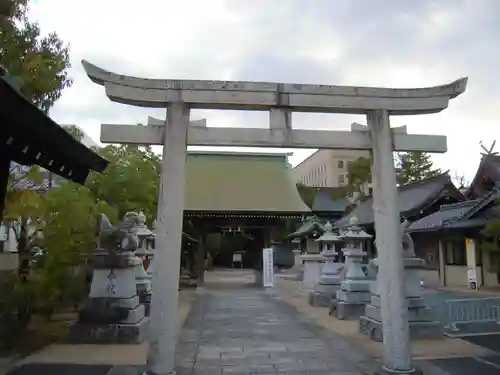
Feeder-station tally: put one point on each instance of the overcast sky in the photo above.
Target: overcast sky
(390, 43)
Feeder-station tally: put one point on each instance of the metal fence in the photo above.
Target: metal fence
(465, 311)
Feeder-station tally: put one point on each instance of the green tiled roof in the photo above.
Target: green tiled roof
(240, 182)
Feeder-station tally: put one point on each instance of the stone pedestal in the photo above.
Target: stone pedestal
(297, 262)
(329, 282)
(354, 291)
(421, 318)
(113, 313)
(313, 263)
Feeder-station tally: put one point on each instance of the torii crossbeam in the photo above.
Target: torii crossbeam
(280, 99)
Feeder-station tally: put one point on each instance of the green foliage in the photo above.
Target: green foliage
(307, 193)
(15, 308)
(414, 166)
(130, 182)
(71, 220)
(39, 62)
(359, 174)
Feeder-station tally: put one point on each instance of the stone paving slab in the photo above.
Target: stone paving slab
(61, 369)
(250, 331)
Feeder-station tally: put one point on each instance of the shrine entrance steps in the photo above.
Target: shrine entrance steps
(236, 328)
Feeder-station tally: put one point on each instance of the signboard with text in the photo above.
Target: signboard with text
(267, 268)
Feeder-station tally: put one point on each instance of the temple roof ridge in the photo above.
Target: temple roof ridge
(413, 197)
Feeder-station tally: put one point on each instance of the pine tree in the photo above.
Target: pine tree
(414, 166)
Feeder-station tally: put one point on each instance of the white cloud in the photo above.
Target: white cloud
(351, 42)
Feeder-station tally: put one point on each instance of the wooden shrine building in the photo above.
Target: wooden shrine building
(452, 237)
(416, 200)
(240, 194)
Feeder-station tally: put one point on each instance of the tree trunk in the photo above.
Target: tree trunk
(23, 250)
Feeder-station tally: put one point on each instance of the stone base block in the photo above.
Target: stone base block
(411, 301)
(414, 314)
(418, 330)
(354, 297)
(356, 285)
(135, 315)
(385, 371)
(319, 299)
(327, 289)
(326, 279)
(346, 311)
(108, 334)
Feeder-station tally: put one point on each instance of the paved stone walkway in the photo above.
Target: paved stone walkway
(233, 331)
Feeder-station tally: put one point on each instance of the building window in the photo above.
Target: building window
(455, 252)
(340, 164)
(349, 163)
(341, 179)
(370, 191)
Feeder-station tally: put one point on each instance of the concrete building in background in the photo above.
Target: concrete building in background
(327, 168)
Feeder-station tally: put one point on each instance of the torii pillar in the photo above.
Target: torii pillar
(178, 96)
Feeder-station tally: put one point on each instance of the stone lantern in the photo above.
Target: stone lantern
(421, 317)
(142, 279)
(354, 291)
(332, 272)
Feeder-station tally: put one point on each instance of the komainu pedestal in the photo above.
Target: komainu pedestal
(354, 291)
(113, 313)
(332, 272)
(421, 318)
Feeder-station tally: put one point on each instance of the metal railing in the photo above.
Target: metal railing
(471, 310)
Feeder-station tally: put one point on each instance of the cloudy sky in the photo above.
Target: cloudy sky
(390, 43)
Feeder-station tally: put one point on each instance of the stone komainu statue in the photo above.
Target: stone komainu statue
(114, 251)
(407, 241)
(408, 246)
(120, 238)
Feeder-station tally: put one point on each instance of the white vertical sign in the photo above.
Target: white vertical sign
(267, 268)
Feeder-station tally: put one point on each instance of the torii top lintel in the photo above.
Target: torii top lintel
(157, 93)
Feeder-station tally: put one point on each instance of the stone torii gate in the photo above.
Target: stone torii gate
(179, 96)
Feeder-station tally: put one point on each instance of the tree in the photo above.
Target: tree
(414, 166)
(459, 180)
(69, 232)
(23, 206)
(40, 63)
(75, 132)
(130, 182)
(359, 174)
(307, 193)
